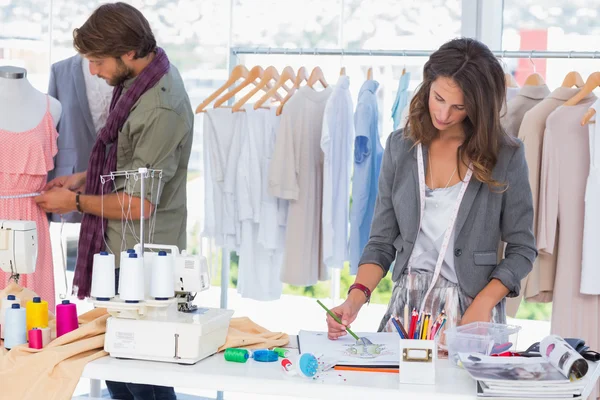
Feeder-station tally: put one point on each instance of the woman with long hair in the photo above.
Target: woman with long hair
(453, 185)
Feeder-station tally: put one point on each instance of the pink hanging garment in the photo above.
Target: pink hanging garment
(25, 159)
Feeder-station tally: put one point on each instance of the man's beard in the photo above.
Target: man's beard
(123, 73)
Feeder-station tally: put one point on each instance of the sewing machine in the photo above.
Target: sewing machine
(18, 247)
(172, 330)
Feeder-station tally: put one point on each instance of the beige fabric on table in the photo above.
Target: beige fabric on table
(538, 286)
(527, 98)
(243, 332)
(53, 372)
(564, 173)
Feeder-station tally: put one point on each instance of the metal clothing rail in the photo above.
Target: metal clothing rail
(407, 53)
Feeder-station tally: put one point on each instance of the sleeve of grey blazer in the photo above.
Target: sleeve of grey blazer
(516, 226)
(384, 227)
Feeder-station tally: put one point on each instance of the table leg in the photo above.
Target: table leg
(95, 388)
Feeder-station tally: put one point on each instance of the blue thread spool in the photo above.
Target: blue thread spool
(265, 356)
(15, 330)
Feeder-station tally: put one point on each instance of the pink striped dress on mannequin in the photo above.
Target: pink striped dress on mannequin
(25, 159)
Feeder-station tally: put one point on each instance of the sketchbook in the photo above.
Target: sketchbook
(384, 352)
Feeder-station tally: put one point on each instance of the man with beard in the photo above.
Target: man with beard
(150, 124)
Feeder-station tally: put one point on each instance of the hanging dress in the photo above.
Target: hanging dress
(25, 159)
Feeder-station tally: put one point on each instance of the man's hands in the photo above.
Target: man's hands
(75, 182)
(58, 200)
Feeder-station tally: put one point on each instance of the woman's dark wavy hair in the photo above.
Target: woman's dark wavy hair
(480, 76)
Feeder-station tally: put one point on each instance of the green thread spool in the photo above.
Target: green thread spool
(281, 352)
(237, 355)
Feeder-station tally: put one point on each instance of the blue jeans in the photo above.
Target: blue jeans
(136, 391)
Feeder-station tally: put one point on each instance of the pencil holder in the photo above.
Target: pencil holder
(418, 359)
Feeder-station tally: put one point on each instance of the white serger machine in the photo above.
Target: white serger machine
(18, 247)
(153, 317)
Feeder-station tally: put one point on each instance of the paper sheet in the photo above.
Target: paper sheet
(384, 352)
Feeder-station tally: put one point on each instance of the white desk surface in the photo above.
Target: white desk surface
(214, 373)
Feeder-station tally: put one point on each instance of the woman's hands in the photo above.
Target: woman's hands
(347, 313)
(477, 312)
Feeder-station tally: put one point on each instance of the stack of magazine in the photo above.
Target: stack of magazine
(558, 373)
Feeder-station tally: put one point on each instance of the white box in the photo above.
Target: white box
(418, 359)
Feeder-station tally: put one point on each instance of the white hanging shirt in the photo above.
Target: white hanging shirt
(259, 266)
(590, 270)
(98, 93)
(217, 139)
(337, 139)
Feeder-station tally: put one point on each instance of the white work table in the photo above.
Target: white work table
(214, 373)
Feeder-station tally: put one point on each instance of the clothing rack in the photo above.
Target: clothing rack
(233, 61)
(235, 51)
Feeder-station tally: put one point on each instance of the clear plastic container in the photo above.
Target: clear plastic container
(481, 337)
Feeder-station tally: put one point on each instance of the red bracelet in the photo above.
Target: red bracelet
(362, 288)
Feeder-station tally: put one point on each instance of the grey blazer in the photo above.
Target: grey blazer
(76, 127)
(485, 217)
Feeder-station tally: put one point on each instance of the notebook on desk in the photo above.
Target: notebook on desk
(382, 354)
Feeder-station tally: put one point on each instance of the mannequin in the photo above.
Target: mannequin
(22, 107)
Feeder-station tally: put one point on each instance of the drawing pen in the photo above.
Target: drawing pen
(335, 317)
(406, 322)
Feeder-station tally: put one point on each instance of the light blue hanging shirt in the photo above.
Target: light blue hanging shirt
(401, 99)
(368, 154)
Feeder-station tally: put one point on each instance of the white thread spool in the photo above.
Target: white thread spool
(6, 304)
(124, 255)
(132, 284)
(16, 327)
(103, 276)
(162, 285)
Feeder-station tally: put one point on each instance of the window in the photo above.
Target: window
(555, 26)
(24, 38)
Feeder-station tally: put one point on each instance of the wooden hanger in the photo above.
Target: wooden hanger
(534, 79)
(593, 81)
(300, 77)
(238, 72)
(269, 74)
(316, 76)
(253, 75)
(573, 78)
(510, 81)
(342, 71)
(286, 74)
(370, 74)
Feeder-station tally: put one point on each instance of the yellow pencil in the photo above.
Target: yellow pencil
(425, 325)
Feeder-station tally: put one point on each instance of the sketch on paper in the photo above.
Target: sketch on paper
(384, 348)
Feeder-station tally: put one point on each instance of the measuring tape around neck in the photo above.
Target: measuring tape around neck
(449, 230)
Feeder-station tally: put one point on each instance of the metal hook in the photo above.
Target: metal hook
(531, 61)
(570, 54)
(594, 55)
(300, 50)
(269, 51)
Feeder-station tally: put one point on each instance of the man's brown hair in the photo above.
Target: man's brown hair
(113, 30)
